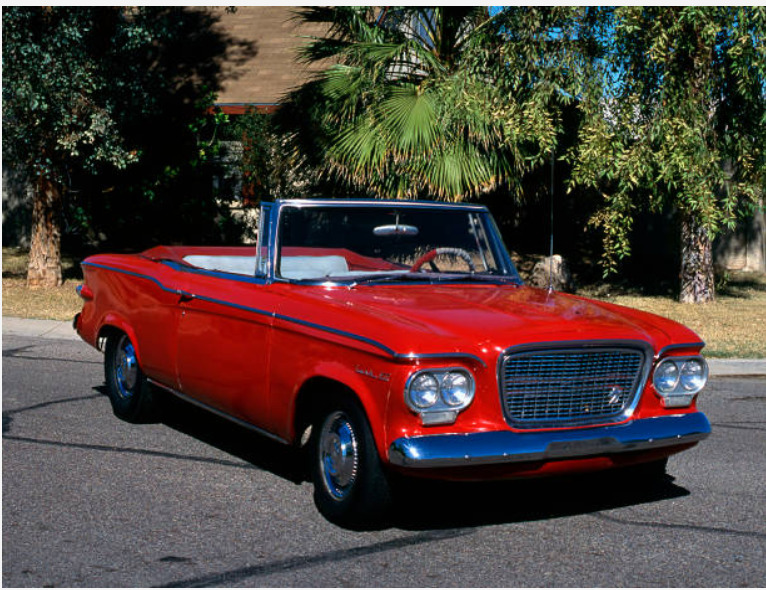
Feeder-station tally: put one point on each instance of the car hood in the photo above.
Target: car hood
(486, 319)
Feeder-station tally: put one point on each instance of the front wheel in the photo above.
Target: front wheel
(350, 486)
(129, 391)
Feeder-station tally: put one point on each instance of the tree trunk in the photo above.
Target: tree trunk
(45, 250)
(697, 280)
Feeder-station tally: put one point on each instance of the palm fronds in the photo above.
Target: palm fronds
(430, 102)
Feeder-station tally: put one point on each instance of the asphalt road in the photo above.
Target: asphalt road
(194, 501)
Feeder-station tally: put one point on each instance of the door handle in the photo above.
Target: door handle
(184, 296)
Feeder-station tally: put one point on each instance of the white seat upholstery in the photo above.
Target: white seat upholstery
(241, 265)
(293, 267)
(312, 267)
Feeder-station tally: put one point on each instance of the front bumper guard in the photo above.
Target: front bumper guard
(497, 447)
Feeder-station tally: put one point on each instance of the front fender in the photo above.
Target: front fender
(371, 393)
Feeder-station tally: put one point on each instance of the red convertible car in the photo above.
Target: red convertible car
(393, 337)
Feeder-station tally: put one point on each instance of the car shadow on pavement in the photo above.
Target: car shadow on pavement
(249, 446)
(435, 505)
(448, 505)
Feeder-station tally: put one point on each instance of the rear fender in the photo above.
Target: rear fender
(114, 321)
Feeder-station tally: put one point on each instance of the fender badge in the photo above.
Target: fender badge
(386, 377)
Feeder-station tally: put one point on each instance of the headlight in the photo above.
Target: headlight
(438, 395)
(666, 377)
(678, 379)
(693, 375)
(455, 389)
(424, 391)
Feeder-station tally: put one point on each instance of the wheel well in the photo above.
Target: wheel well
(314, 396)
(104, 334)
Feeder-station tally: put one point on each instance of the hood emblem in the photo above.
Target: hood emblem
(615, 395)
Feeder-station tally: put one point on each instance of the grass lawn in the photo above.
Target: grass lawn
(60, 303)
(734, 326)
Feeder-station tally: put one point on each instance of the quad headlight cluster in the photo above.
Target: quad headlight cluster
(438, 395)
(678, 379)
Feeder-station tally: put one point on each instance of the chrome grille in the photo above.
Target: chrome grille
(569, 387)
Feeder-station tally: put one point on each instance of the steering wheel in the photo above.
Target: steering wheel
(431, 254)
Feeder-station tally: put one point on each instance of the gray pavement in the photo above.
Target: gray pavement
(196, 501)
(52, 329)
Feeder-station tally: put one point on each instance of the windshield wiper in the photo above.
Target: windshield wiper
(386, 278)
(435, 278)
(479, 278)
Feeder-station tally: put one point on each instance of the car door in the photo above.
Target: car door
(224, 333)
(224, 343)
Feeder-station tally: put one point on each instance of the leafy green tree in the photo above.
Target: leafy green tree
(89, 92)
(438, 102)
(56, 110)
(268, 169)
(677, 121)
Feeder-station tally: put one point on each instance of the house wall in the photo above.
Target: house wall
(273, 70)
(744, 248)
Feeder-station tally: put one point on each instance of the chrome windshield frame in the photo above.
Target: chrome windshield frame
(273, 212)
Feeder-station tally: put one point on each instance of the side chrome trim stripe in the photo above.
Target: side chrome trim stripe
(374, 343)
(337, 332)
(132, 274)
(220, 413)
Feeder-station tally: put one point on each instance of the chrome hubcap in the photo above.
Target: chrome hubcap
(126, 368)
(338, 455)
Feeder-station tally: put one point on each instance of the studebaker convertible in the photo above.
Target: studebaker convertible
(393, 338)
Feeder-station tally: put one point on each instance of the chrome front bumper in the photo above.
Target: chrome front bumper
(488, 448)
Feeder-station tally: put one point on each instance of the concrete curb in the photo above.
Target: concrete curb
(55, 330)
(737, 367)
(48, 329)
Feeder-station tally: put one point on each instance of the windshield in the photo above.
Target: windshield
(365, 243)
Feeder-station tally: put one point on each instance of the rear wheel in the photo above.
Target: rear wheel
(129, 390)
(350, 485)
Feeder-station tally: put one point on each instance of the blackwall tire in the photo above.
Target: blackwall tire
(129, 391)
(351, 488)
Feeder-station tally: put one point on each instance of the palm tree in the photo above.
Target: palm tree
(439, 102)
